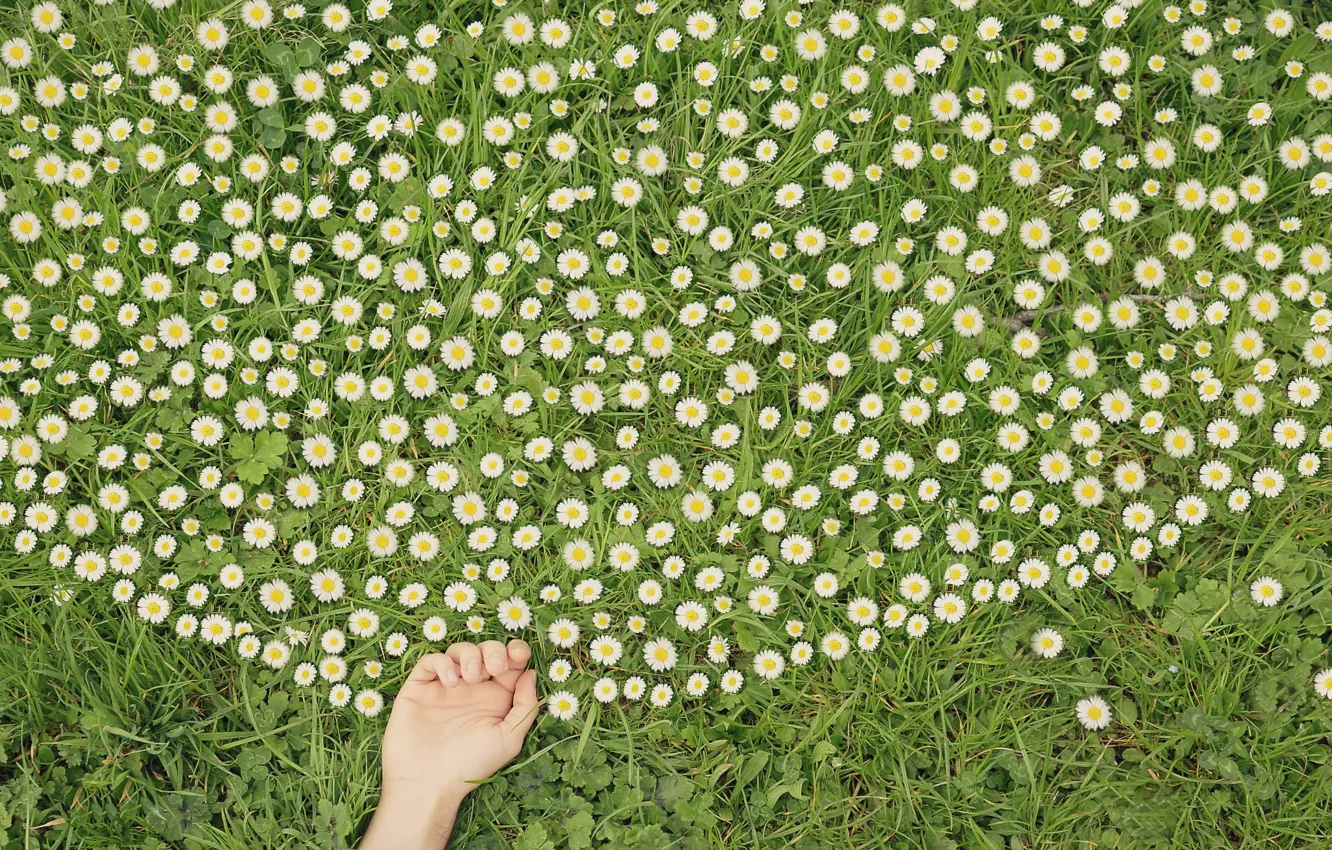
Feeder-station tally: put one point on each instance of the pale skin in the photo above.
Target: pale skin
(460, 716)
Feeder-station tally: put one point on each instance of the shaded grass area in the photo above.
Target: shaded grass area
(111, 738)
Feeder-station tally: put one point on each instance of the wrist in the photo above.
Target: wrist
(422, 797)
(411, 817)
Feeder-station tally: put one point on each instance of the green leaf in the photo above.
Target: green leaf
(257, 455)
(1126, 711)
(460, 47)
(273, 137)
(270, 446)
(534, 837)
(78, 443)
(753, 765)
(307, 52)
(279, 53)
(744, 638)
(673, 790)
(271, 117)
(776, 792)
(838, 560)
(241, 446)
(1144, 596)
(579, 829)
(824, 749)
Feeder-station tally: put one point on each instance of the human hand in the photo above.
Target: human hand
(461, 715)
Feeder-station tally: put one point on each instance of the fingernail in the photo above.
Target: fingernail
(450, 675)
(474, 667)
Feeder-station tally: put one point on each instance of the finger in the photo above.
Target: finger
(434, 666)
(508, 679)
(468, 658)
(524, 712)
(451, 675)
(496, 658)
(519, 654)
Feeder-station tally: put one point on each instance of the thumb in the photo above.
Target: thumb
(524, 712)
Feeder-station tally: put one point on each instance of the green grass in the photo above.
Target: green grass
(114, 736)
(116, 733)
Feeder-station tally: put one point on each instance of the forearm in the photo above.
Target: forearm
(411, 820)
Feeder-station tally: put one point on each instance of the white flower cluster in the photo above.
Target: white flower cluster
(700, 344)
